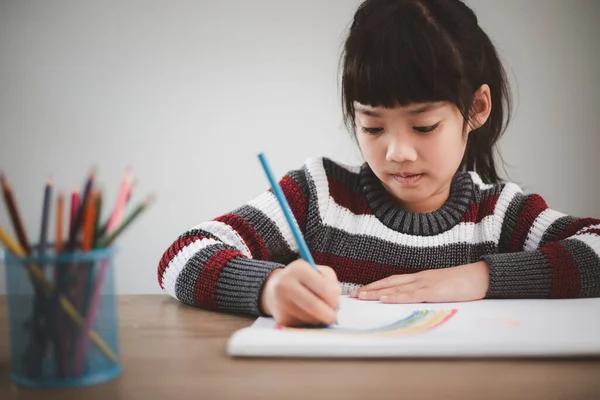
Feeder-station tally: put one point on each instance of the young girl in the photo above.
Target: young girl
(424, 219)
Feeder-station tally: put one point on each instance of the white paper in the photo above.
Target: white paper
(485, 328)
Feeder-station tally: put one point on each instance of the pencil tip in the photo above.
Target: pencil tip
(4, 181)
(150, 199)
(129, 175)
(49, 181)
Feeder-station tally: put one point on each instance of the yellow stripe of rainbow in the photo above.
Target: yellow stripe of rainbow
(419, 321)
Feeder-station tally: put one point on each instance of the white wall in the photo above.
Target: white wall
(188, 92)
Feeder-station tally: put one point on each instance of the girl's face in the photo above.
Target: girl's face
(415, 150)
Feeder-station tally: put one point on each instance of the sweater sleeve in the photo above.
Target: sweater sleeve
(543, 253)
(221, 264)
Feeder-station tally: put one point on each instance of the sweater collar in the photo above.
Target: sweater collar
(387, 210)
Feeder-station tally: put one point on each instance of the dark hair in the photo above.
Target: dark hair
(400, 52)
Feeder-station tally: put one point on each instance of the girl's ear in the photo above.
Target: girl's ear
(482, 107)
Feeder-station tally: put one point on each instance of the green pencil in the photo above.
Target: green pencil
(107, 240)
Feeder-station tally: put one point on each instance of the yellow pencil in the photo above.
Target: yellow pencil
(10, 244)
(37, 273)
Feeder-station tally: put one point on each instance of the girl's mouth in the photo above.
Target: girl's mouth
(407, 179)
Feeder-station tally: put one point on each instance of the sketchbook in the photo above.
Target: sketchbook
(484, 328)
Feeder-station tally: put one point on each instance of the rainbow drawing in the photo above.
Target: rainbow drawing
(418, 322)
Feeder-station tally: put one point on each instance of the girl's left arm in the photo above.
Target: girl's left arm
(544, 253)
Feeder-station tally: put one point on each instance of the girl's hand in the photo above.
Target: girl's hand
(463, 283)
(299, 295)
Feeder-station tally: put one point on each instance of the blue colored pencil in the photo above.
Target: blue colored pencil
(304, 252)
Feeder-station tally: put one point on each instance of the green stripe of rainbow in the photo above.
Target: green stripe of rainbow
(420, 321)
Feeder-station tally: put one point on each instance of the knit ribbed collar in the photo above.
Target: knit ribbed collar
(387, 210)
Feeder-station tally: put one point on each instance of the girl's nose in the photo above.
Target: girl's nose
(401, 150)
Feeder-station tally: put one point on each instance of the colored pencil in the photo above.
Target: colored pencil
(117, 214)
(11, 245)
(90, 269)
(53, 323)
(62, 277)
(75, 199)
(36, 346)
(83, 272)
(14, 215)
(97, 290)
(109, 239)
(283, 203)
(285, 207)
(126, 190)
(77, 222)
(58, 240)
(67, 275)
(45, 217)
(98, 216)
(83, 269)
(89, 222)
(132, 186)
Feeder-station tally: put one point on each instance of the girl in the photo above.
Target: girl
(424, 219)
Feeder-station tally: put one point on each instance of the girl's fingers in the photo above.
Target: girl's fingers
(377, 294)
(313, 306)
(412, 296)
(296, 316)
(389, 282)
(322, 285)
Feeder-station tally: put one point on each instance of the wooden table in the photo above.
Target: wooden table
(172, 351)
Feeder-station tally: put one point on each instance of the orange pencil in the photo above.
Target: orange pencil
(78, 217)
(89, 221)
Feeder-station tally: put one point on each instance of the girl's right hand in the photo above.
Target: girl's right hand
(299, 295)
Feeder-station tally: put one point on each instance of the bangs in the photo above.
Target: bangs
(401, 59)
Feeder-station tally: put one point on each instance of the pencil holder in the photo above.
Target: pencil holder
(62, 318)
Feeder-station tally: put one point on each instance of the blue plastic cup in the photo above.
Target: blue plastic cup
(62, 318)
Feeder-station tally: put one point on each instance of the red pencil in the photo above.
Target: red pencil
(58, 240)
(75, 198)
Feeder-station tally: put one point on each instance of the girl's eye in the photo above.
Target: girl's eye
(372, 131)
(426, 129)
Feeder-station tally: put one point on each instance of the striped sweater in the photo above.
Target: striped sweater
(352, 224)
